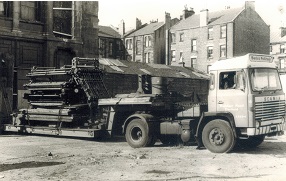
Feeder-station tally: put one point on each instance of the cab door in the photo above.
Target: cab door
(232, 96)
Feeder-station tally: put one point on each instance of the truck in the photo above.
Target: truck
(245, 103)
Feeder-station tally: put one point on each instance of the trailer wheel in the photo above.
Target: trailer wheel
(218, 137)
(251, 142)
(137, 134)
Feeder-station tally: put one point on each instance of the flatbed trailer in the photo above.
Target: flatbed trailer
(243, 106)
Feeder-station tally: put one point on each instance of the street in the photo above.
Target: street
(36, 157)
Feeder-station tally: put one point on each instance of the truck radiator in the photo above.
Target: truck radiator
(270, 110)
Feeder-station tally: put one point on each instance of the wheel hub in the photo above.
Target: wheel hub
(216, 137)
(136, 134)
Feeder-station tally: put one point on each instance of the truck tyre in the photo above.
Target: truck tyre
(218, 137)
(251, 142)
(137, 134)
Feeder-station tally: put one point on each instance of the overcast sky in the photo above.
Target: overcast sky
(111, 12)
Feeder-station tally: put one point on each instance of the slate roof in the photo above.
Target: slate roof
(148, 29)
(217, 17)
(107, 31)
(160, 70)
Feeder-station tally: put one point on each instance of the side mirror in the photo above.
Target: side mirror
(240, 81)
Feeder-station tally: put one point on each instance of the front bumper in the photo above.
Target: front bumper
(267, 129)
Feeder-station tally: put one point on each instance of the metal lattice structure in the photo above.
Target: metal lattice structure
(69, 94)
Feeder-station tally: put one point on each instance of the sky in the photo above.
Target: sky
(111, 12)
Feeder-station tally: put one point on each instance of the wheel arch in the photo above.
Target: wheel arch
(209, 116)
(144, 117)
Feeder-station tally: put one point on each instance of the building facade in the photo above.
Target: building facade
(278, 48)
(46, 33)
(147, 43)
(200, 40)
(110, 43)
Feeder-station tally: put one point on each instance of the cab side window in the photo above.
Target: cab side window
(227, 80)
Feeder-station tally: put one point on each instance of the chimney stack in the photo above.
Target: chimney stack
(187, 13)
(204, 17)
(250, 4)
(121, 28)
(138, 23)
(167, 20)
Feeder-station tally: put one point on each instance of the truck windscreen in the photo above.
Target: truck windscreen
(264, 79)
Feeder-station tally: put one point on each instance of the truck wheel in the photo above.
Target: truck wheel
(252, 142)
(137, 134)
(218, 137)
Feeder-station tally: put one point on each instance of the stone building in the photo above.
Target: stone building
(46, 33)
(201, 39)
(110, 43)
(147, 43)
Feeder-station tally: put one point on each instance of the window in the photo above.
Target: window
(110, 48)
(63, 19)
(173, 52)
(210, 52)
(138, 47)
(147, 41)
(282, 48)
(227, 80)
(6, 8)
(148, 57)
(128, 44)
(194, 45)
(210, 33)
(264, 79)
(181, 57)
(30, 10)
(223, 31)
(181, 37)
(222, 51)
(173, 38)
(193, 62)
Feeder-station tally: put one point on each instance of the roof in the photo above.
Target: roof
(157, 70)
(107, 31)
(148, 29)
(275, 37)
(248, 60)
(218, 17)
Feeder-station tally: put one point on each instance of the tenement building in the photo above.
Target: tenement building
(147, 43)
(201, 39)
(46, 33)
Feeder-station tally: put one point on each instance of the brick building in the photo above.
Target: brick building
(148, 42)
(46, 33)
(278, 48)
(201, 39)
(110, 43)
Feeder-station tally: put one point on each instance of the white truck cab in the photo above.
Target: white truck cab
(249, 88)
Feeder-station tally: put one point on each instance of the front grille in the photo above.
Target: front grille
(270, 110)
